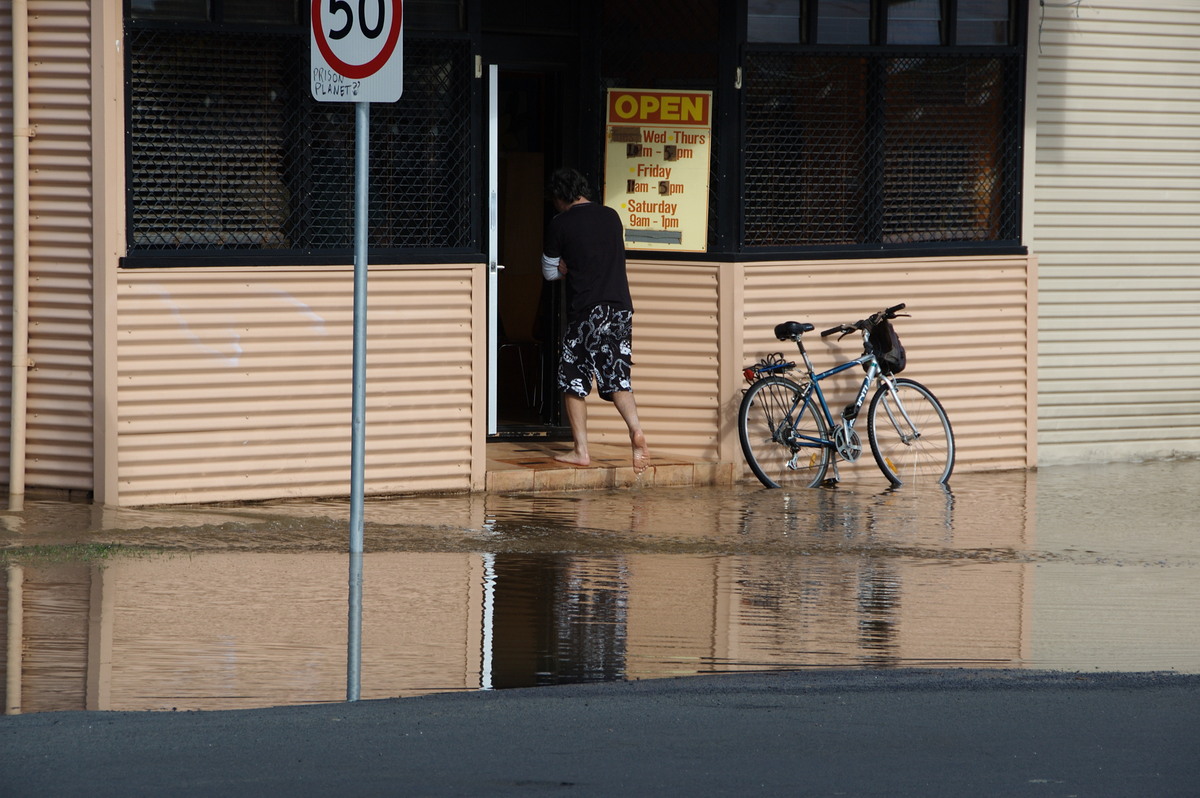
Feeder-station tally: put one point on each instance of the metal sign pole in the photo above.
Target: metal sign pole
(362, 112)
(362, 116)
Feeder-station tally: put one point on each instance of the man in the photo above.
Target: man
(586, 244)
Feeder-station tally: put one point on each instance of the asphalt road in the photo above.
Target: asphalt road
(860, 733)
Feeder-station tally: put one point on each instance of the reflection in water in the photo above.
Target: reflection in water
(558, 619)
(510, 591)
(878, 599)
(354, 626)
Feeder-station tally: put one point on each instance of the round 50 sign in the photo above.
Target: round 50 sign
(357, 50)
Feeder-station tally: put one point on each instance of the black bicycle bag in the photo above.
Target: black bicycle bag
(888, 349)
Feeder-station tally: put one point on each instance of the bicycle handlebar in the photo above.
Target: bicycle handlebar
(841, 328)
(846, 329)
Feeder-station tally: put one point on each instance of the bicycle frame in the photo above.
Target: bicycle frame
(847, 421)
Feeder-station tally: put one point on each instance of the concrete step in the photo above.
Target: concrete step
(521, 466)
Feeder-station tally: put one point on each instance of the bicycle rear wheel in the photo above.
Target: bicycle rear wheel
(910, 434)
(783, 438)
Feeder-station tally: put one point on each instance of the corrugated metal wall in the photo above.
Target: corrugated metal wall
(676, 374)
(969, 338)
(59, 431)
(1115, 225)
(236, 384)
(60, 386)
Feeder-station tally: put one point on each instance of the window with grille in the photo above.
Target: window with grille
(228, 151)
(885, 145)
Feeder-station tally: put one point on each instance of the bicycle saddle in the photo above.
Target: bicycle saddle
(792, 330)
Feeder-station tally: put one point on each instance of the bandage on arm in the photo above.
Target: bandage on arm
(550, 268)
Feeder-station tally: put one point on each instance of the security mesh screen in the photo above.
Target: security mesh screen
(228, 150)
(947, 149)
(854, 150)
(808, 154)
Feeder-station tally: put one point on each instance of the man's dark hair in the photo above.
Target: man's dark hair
(568, 185)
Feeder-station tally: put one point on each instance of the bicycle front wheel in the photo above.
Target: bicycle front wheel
(784, 438)
(910, 434)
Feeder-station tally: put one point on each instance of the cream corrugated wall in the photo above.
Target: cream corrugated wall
(59, 432)
(969, 338)
(676, 373)
(236, 384)
(1116, 225)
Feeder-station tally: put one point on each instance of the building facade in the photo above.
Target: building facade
(1115, 191)
(178, 232)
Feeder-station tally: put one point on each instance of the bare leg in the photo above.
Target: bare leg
(627, 407)
(577, 415)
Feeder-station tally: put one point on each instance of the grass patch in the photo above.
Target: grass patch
(84, 553)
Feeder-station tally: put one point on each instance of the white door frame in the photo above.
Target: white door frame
(493, 247)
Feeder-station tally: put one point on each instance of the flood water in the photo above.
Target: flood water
(1069, 568)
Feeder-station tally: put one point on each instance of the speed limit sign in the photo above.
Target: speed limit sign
(357, 50)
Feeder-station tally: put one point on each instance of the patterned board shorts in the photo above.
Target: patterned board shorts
(601, 344)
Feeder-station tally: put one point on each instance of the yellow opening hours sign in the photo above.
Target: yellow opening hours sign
(656, 170)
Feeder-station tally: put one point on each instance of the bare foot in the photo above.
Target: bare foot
(573, 458)
(641, 452)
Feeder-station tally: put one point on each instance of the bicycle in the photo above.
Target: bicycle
(789, 436)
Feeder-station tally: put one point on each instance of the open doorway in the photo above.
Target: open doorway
(528, 309)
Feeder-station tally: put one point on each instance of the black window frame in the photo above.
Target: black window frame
(808, 25)
(732, 194)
